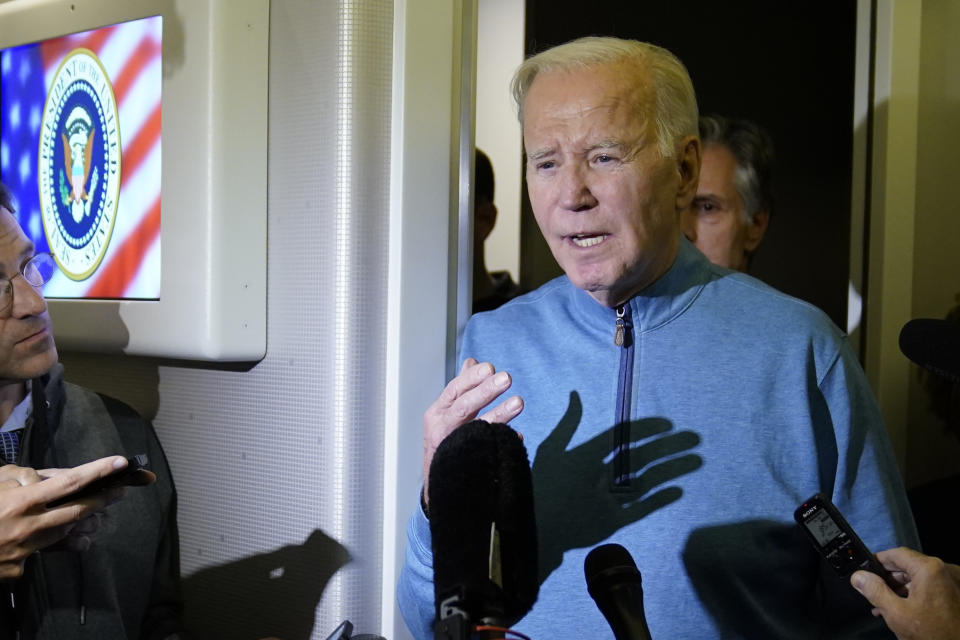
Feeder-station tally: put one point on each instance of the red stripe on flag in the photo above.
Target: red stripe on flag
(96, 39)
(133, 65)
(123, 262)
(116, 276)
(53, 51)
(133, 153)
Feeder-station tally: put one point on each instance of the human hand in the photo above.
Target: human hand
(931, 609)
(26, 524)
(477, 385)
(79, 537)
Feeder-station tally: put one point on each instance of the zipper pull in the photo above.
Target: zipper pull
(618, 335)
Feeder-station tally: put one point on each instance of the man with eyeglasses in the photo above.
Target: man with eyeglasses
(86, 568)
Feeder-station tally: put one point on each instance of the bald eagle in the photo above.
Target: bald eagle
(77, 159)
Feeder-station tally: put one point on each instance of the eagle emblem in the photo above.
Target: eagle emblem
(78, 137)
(79, 164)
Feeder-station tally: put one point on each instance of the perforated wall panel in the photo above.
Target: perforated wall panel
(278, 467)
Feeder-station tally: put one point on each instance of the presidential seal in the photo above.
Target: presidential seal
(79, 166)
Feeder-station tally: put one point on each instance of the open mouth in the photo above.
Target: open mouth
(585, 242)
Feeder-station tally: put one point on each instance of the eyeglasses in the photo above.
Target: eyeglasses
(37, 271)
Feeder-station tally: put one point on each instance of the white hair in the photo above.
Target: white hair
(674, 99)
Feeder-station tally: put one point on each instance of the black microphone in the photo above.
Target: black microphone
(482, 528)
(934, 345)
(614, 584)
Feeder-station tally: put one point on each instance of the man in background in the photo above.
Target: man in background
(734, 200)
(121, 581)
(490, 289)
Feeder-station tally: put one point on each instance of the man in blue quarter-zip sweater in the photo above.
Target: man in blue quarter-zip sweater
(677, 408)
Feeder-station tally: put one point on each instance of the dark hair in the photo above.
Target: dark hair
(483, 178)
(5, 198)
(753, 149)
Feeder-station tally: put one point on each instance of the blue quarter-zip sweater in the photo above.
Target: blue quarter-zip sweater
(687, 426)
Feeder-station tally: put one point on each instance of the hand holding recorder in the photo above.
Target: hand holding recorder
(39, 508)
(931, 608)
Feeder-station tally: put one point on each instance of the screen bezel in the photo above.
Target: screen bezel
(213, 182)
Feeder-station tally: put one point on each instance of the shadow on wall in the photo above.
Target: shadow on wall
(270, 595)
(132, 379)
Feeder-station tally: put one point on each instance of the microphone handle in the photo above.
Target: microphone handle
(630, 629)
(455, 627)
(458, 627)
(627, 618)
(488, 634)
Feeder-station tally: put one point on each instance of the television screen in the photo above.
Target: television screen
(80, 151)
(83, 89)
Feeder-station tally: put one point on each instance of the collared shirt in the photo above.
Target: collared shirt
(21, 414)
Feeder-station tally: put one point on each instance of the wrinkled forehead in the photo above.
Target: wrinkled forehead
(626, 82)
(621, 91)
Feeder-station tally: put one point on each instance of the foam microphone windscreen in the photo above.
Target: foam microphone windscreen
(934, 345)
(480, 476)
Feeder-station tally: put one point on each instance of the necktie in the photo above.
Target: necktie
(10, 445)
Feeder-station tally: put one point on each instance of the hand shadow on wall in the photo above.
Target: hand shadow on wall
(744, 571)
(575, 503)
(272, 594)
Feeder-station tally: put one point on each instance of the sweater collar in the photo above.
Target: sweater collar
(663, 300)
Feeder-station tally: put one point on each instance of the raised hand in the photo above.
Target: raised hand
(477, 385)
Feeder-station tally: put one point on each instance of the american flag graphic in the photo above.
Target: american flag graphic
(130, 54)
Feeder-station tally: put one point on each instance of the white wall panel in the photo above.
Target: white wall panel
(278, 464)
